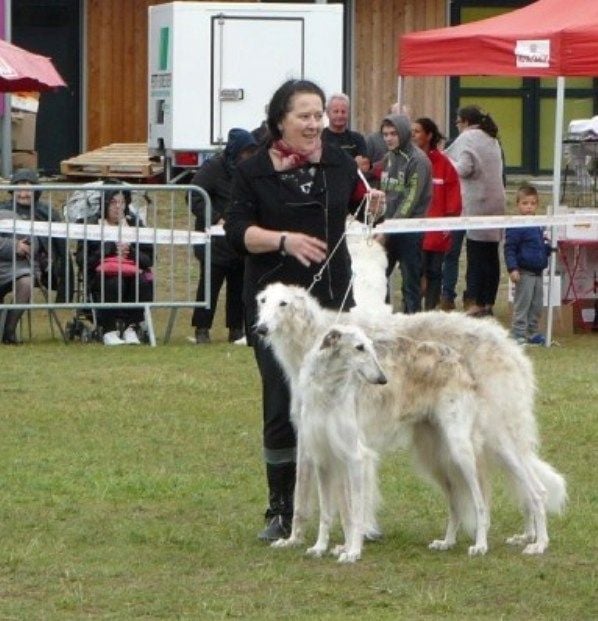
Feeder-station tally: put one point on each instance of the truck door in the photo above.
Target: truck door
(252, 57)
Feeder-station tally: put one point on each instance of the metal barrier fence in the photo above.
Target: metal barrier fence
(59, 241)
(65, 225)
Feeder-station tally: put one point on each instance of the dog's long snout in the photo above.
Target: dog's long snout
(382, 379)
(261, 329)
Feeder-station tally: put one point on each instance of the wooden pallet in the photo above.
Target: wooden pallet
(120, 160)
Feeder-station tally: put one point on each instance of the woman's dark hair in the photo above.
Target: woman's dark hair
(474, 116)
(280, 103)
(431, 129)
(110, 194)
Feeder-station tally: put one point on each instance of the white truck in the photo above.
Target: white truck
(214, 66)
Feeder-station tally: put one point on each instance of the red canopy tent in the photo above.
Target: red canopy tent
(546, 38)
(21, 70)
(510, 44)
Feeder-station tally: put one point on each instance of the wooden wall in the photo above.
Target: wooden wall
(117, 65)
(378, 24)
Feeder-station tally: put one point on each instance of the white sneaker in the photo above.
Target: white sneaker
(130, 336)
(112, 338)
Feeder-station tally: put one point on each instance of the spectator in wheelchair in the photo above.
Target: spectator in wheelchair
(117, 271)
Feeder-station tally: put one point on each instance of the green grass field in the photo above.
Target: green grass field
(131, 486)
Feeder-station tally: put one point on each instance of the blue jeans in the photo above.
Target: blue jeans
(405, 248)
(450, 267)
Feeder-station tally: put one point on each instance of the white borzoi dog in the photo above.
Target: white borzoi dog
(335, 370)
(368, 264)
(291, 320)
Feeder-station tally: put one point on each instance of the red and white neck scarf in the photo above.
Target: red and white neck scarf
(285, 157)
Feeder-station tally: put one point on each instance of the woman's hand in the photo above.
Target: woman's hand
(23, 248)
(377, 202)
(304, 248)
(123, 249)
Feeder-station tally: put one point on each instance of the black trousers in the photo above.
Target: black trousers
(108, 317)
(278, 433)
(483, 271)
(232, 273)
(432, 269)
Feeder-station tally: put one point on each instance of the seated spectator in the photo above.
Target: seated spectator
(215, 177)
(118, 271)
(339, 134)
(16, 268)
(27, 205)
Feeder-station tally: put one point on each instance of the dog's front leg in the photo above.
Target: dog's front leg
(458, 434)
(323, 475)
(354, 529)
(452, 527)
(304, 482)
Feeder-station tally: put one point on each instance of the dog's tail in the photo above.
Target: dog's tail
(554, 483)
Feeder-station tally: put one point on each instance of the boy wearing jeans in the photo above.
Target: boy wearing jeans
(526, 257)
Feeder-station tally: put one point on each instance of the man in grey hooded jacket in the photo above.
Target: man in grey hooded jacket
(406, 177)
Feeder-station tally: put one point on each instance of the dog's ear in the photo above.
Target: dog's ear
(404, 344)
(331, 339)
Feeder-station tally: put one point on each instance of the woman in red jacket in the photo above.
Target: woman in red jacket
(446, 201)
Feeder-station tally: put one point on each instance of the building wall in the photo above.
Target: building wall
(378, 25)
(117, 65)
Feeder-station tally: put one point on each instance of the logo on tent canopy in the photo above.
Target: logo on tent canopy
(532, 53)
(6, 71)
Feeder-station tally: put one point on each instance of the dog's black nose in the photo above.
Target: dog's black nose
(261, 329)
(382, 380)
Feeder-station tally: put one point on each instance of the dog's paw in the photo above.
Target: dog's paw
(291, 542)
(315, 551)
(477, 550)
(441, 544)
(349, 557)
(519, 540)
(373, 535)
(535, 548)
(337, 550)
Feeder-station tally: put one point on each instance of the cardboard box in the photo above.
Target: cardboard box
(23, 131)
(29, 102)
(585, 318)
(24, 159)
(587, 231)
(562, 321)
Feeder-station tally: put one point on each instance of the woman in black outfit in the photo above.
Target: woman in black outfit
(287, 212)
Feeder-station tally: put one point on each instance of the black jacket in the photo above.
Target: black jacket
(261, 198)
(215, 177)
(62, 265)
(93, 249)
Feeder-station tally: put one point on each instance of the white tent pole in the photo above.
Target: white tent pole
(401, 91)
(556, 194)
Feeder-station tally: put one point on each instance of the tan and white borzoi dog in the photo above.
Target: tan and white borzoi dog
(292, 320)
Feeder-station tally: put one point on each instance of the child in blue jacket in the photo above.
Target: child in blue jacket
(526, 257)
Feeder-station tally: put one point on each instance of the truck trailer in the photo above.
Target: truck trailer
(214, 66)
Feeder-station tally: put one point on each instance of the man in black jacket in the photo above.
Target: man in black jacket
(215, 177)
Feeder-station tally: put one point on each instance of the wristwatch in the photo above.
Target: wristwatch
(281, 248)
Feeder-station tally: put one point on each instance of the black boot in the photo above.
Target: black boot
(279, 515)
(9, 337)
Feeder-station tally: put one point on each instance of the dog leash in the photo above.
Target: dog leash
(318, 275)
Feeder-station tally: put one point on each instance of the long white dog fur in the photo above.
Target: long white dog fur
(503, 425)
